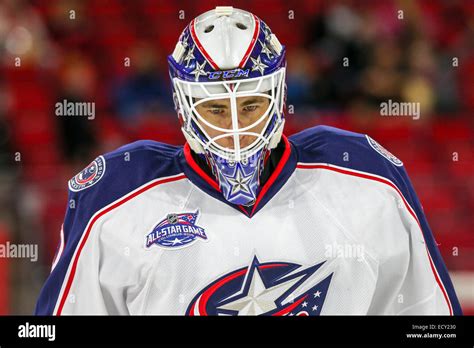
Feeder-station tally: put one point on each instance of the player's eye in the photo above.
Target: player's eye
(250, 108)
(216, 111)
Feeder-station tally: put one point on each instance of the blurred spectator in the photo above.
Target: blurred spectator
(23, 35)
(339, 53)
(301, 74)
(6, 158)
(389, 55)
(77, 84)
(70, 24)
(144, 90)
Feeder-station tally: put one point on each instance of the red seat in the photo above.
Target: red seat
(447, 131)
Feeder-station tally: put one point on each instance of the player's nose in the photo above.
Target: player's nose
(243, 141)
(242, 121)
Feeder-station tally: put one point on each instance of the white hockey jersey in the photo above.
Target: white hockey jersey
(336, 229)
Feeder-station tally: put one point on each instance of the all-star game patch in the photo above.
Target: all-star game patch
(176, 231)
(89, 176)
(384, 152)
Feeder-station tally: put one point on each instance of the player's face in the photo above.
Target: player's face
(218, 113)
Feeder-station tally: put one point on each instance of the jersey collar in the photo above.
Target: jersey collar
(275, 182)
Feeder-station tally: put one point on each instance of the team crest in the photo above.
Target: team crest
(176, 231)
(89, 176)
(271, 288)
(384, 152)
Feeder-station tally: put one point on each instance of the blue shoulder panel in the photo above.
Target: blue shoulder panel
(323, 144)
(102, 182)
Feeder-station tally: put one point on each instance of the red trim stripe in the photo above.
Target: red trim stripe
(412, 213)
(94, 220)
(275, 174)
(244, 211)
(200, 47)
(252, 42)
(197, 169)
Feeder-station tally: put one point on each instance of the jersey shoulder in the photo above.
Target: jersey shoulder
(107, 179)
(114, 174)
(354, 151)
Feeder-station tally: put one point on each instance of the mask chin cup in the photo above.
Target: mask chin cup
(239, 181)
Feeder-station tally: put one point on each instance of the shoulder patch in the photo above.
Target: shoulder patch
(89, 176)
(384, 152)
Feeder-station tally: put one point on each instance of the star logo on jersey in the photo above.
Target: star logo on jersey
(271, 288)
(175, 231)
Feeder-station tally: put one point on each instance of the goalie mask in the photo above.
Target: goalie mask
(228, 78)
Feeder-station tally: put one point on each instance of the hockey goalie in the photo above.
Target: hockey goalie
(241, 219)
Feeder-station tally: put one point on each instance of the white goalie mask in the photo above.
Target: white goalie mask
(228, 77)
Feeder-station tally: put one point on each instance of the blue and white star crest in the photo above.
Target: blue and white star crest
(271, 288)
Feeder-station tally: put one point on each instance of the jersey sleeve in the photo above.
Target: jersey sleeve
(74, 286)
(412, 277)
(84, 277)
(414, 281)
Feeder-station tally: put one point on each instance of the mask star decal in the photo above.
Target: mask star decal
(266, 50)
(240, 183)
(267, 33)
(199, 70)
(258, 65)
(184, 42)
(189, 56)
